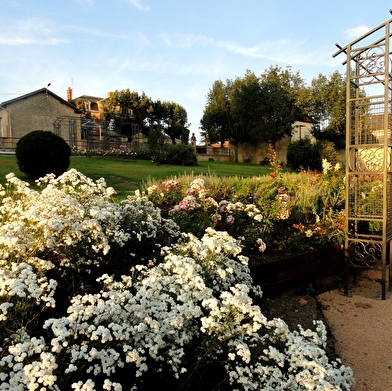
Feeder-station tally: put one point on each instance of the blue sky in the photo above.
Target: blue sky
(171, 49)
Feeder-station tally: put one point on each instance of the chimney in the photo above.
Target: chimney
(69, 93)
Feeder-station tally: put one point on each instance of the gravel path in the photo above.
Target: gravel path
(362, 327)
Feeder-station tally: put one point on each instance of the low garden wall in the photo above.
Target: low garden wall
(309, 271)
(215, 158)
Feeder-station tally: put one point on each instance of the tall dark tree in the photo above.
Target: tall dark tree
(217, 119)
(246, 109)
(227, 113)
(279, 104)
(326, 106)
(175, 122)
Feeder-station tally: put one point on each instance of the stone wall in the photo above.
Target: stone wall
(36, 112)
(214, 158)
(258, 152)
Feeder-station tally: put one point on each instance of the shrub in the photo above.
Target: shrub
(328, 152)
(257, 208)
(187, 322)
(180, 155)
(41, 152)
(302, 154)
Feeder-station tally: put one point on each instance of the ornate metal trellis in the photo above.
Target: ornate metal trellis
(79, 131)
(86, 133)
(368, 152)
(72, 124)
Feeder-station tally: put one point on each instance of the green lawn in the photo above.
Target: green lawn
(127, 175)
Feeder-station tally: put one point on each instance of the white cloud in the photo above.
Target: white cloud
(284, 50)
(166, 39)
(356, 32)
(86, 32)
(138, 5)
(28, 31)
(14, 41)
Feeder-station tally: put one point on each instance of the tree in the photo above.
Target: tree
(279, 103)
(175, 121)
(217, 119)
(226, 115)
(326, 107)
(251, 108)
(246, 108)
(156, 144)
(127, 107)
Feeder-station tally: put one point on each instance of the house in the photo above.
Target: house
(93, 116)
(44, 110)
(91, 104)
(38, 110)
(102, 131)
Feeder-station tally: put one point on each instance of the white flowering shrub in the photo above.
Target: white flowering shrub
(187, 322)
(54, 243)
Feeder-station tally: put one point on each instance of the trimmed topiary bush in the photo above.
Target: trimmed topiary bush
(41, 152)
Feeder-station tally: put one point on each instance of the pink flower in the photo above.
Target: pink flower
(183, 204)
(216, 217)
(169, 184)
(211, 201)
(230, 219)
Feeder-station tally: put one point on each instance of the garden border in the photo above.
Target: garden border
(312, 271)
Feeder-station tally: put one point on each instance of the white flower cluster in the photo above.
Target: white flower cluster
(197, 188)
(51, 221)
(73, 221)
(154, 326)
(28, 365)
(327, 166)
(21, 281)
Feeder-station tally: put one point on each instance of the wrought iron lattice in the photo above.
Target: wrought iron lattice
(366, 254)
(89, 133)
(82, 132)
(368, 151)
(67, 127)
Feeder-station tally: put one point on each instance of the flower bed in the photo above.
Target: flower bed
(294, 213)
(99, 295)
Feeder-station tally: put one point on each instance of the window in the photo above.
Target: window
(94, 106)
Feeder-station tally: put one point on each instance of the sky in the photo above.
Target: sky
(172, 50)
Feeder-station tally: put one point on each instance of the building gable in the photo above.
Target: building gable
(37, 110)
(43, 92)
